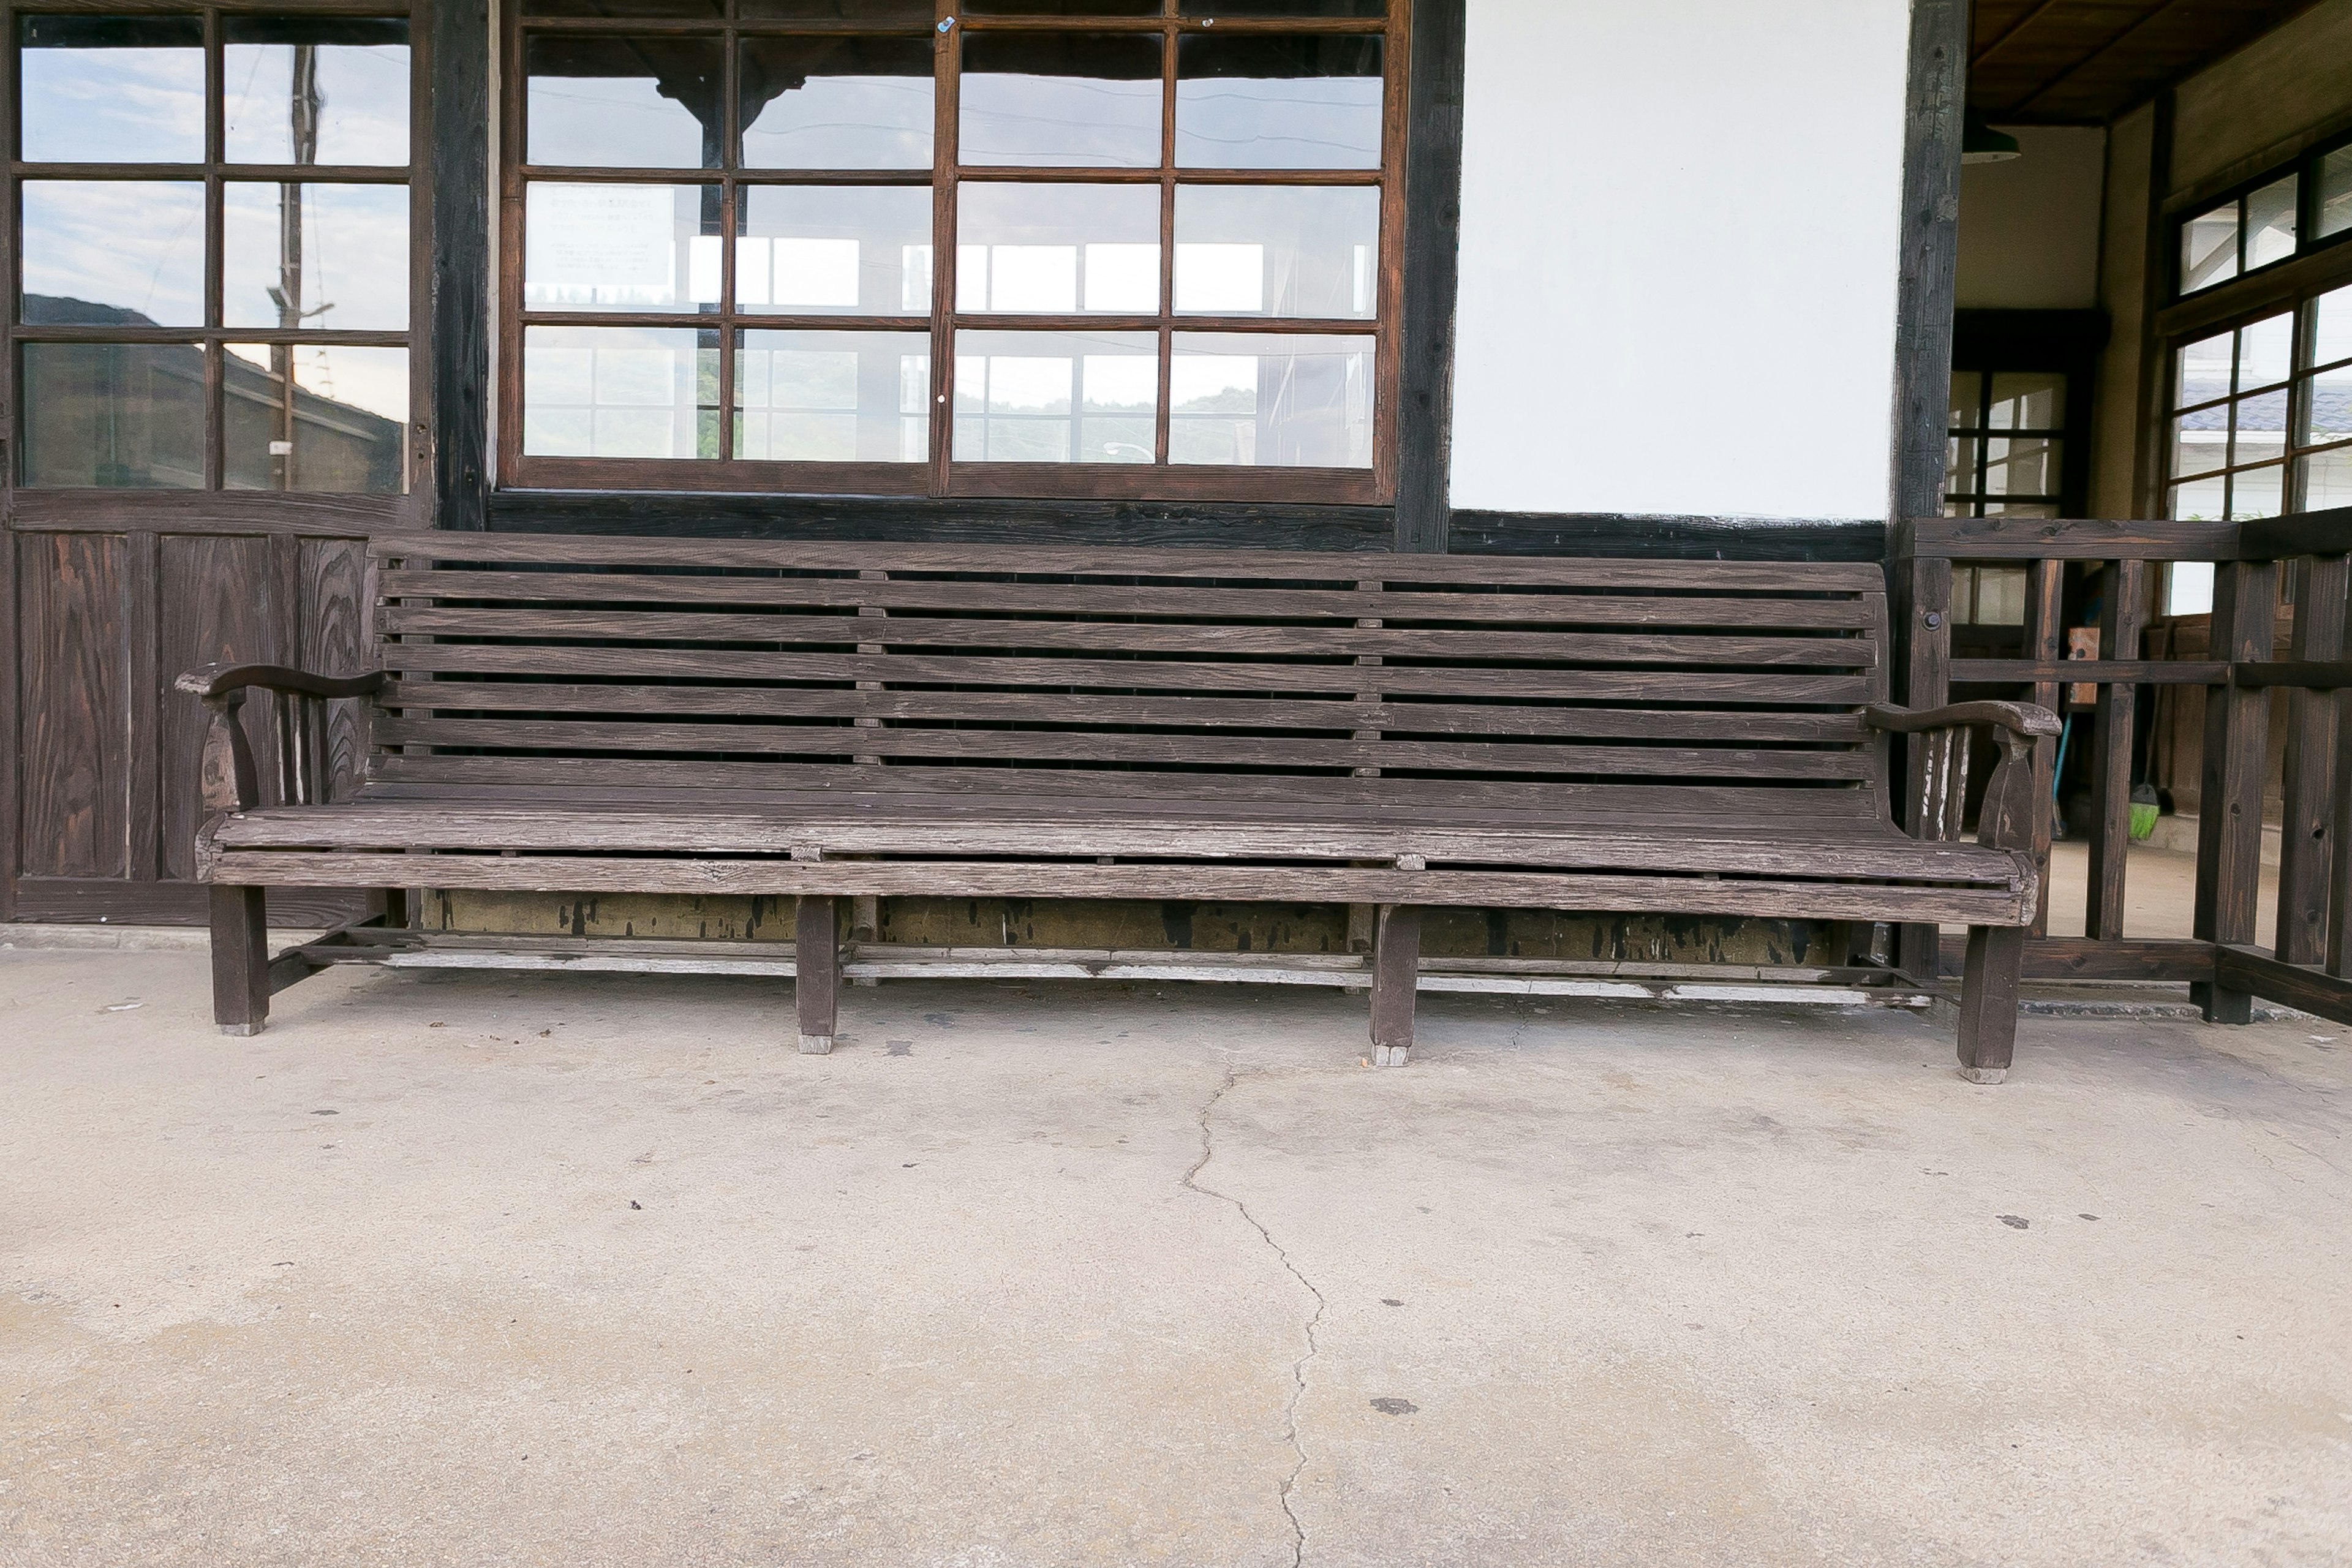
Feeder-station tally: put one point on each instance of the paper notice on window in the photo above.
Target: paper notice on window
(603, 244)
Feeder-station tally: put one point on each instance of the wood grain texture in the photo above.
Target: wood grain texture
(2230, 815)
(76, 722)
(2307, 813)
(220, 603)
(1433, 208)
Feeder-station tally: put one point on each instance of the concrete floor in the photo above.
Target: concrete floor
(579, 1270)
(2159, 892)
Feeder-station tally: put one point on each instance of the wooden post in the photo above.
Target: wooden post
(2307, 820)
(2123, 614)
(816, 984)
(1989, 1001)
(1396, 975)
(2230, 803)
(1928, 683)
(2045, 643)
(240, 959)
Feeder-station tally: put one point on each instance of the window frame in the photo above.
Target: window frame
(2301, 375)
(2305, 166)
(215, 172)
(940, 476)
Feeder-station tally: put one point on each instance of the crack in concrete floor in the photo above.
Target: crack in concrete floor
(1298, 1367)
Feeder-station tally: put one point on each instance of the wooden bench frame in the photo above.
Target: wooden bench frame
(825, 855)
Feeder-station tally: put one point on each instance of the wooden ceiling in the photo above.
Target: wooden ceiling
(2083, 62)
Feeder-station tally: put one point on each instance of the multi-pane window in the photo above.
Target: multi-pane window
(214, 261)
(2005, 450)
(2261, 415)
(1105, 248)
(2282, 215)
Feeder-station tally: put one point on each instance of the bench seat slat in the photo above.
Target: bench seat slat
(1727, 725)
(902, 593)
(909, 825)
(1794, 899)
(591, 780)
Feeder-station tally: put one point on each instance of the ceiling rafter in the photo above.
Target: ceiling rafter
(2083, 62)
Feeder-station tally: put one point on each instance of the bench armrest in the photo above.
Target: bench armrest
(2025, 719)
(2014, 796)
(231, 781)
(217, 680)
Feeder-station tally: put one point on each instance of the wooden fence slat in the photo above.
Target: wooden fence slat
(2045, 643)
(2229, 802)
(2309, 806)
(2121, 617)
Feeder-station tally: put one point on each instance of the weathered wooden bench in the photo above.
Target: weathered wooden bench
(829, 721)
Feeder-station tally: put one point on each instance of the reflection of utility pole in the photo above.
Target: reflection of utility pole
(303, 112)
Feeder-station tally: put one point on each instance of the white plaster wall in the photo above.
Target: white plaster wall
(2030, 228)
(1680, 221)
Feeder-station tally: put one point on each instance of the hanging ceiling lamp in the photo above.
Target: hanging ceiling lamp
(1980, 144)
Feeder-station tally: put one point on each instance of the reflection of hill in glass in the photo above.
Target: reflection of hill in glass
(132, 415)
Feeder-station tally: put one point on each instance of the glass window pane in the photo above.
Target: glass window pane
(1278, 101)
(2026, 466)
(622, 103)
(345, 431)
(832, 397)
(2201, 442)
(2188, 585)
(1278, 250)
(1967, 392)
(1079, 99)
(2335, 193)
(1055, 398)
(2209, 248)
(2331, 327)
(315, 91)
(121, 415)
(620, 392)
(818, 250)
(1961, 465)
(1366, 8)
(2263, 350)
(2260, 432)
(2256, 492)
(115, 252)
(2327, 407)
(2328, 480)
(2202, 500)
(1269, 400)
(345, 266)
(1996, 507)
(1058, 249)
(837, 103)
(112, 90)
(2205, 370)
(2270, 222)
(2001, 596)
(872, 12)
(620, 248)
(2033, 400)
(665, 9)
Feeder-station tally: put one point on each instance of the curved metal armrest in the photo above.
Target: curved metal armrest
(2021, 718)
(213, 680)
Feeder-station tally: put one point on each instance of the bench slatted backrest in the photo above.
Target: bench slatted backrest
(586, 664)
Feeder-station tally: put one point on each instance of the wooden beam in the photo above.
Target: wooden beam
(2249, 971)
(1929, 259)
(1433, 230)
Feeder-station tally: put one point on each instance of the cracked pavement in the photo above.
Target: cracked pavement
(592, 1269)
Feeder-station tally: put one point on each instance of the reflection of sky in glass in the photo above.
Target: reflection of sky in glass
(845, 122)
(363, 117)
(113, 106)
(622, 122)
(1281, 250)
(2262, 350)
(135, 245)
(618, 391)
(355, 255)
(1063, 122)
(811, 396)
(373, 379)
(1282, 402)
(1306, 122)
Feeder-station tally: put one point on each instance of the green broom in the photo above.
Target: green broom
(2143, 814)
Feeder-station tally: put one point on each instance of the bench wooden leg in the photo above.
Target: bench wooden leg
(817, 960)
(240, 959)
(1396, 970)
(1989, 1001)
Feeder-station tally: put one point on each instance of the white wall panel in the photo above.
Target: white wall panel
(1680, 222)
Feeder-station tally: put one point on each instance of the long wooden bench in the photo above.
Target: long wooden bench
(830, 721)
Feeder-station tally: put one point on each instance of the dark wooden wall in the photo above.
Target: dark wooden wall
(106, 613)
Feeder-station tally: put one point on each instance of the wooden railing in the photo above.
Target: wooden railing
(2309, 966)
